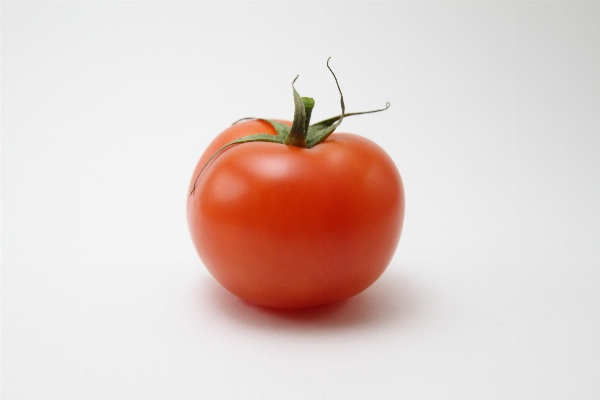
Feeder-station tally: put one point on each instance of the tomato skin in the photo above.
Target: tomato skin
(289, 227)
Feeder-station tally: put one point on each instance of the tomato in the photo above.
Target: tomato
(292, 227)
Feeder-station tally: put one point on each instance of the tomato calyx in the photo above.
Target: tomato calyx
(301, 133)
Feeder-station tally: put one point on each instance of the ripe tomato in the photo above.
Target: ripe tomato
(291, 227)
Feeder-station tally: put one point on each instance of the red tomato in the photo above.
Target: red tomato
(291, 227)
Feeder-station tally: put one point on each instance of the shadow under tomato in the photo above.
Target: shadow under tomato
(390, 300)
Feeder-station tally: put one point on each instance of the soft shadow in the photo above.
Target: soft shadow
(390, 300)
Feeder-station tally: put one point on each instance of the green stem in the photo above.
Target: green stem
(297, 135)
(309, 104)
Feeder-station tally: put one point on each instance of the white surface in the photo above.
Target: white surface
(494, 125)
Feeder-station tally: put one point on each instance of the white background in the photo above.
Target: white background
(495, 128)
